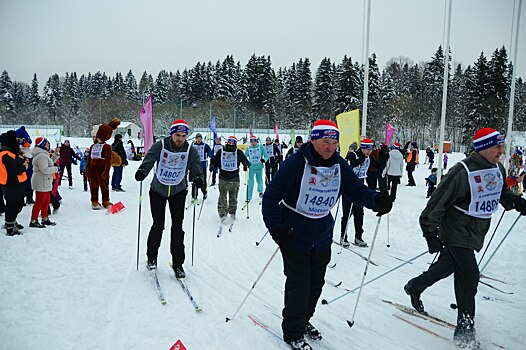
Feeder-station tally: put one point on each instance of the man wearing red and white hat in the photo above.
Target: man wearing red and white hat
(297, 211)
(174, 158)
(228, 161)
(455, 222)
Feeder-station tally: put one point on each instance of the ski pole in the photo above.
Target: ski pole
(491, 238)
(201, 209)
(254, 285)
(262, 238)
(502, 241)
(194, 194)
(139, 224)
(388, 243)
(351, 323)
(325, 302)
(346, 226)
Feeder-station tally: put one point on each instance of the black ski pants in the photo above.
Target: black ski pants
(305, 273)
(158, 208)
(357, 213)
(462, 264)
(70, 178)
(270, 170)
(392, 183)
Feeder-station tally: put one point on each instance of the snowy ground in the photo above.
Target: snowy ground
(75, 285)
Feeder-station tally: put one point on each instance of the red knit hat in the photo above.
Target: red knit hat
(41, 142)
(232, 139)
(324, 129)
(486, 138)
(367, 144)
(179, 125)
(397, 145)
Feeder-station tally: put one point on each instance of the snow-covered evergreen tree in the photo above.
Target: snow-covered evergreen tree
(323, 106)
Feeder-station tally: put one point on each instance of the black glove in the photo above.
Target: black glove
(211, 168)
(198, 182)
(245, 168)
(520, 205)
(382, 203)
(434, 244)
(283, 237)
(262, 160)
(139, 176)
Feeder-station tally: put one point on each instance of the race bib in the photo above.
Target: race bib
(229, 161)
(201, 150)
(254, 154)
(361, 170)
(171, 169)
(96, 151)
(486, 188)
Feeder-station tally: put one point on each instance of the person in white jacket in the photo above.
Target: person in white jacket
(394, 170)
(42, 181)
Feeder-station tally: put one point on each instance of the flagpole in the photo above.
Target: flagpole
(512, 92)
(447, 28)
(367, 25)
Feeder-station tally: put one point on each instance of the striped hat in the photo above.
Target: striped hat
(486, 138)
(232, 139)
(324, 129)
(179, 125)
(367, 144)
(41, 142)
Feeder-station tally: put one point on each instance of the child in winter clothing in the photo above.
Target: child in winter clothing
(431, 182)
(82, 168)
(445, 159)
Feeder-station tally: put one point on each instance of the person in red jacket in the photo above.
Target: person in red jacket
(67, 155)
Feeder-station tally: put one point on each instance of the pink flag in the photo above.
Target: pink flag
(276, 131)
(251, 134)
(389, 131)
(147, 123)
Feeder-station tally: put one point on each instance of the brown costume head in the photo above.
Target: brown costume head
(105, 130)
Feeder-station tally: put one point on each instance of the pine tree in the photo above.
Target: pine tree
(499, 84)
(323, 106)
(346, 86)
(34, 96)
(6, 93)
(53, 96)
(130, 86)
(161, 87)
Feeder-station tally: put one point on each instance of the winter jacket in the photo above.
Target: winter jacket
(43, 170)
(395, 163)
(231, 176)
(308, 234)
(454, 227)
(14, 189)
(275, 155)
(262, 151)
(118, 148)
(67, 154)
(153, 156)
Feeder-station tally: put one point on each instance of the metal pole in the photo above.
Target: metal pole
(447, 27)
(367, 21)
(502, 241)
(512, 93)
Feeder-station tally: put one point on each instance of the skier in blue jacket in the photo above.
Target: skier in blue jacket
(205, 152)
(257, 156)
(296, 210)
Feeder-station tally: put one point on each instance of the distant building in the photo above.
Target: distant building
(128, 128)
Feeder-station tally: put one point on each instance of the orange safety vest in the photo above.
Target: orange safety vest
(3, 171)
(410, 157)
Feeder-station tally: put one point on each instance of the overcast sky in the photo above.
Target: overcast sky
(58, 36)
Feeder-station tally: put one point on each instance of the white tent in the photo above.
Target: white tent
(128, 128)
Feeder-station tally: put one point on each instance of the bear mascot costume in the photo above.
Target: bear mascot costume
(99, 163)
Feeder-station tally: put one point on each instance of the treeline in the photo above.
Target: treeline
(406, 94)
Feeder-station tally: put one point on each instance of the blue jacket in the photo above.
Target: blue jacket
(208, 153)
(309, 234)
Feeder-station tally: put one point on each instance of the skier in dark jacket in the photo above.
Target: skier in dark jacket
(174, 158)
(228, 160)
(116, 178)
(455, 222)
(296, 210)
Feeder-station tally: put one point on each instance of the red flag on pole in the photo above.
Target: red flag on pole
(276, 131)
(146, 115)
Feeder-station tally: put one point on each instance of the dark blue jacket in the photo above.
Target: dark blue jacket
(309, 234)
